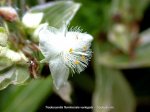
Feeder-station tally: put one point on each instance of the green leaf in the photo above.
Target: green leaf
(6, 78)
(121, 8)
(4, 63)
(57, 13)
(112, 57)
(123, 61)
(25, 98)
(129, 10)
(21, 75)
(13, 75)
(138, 7)
(112, 92)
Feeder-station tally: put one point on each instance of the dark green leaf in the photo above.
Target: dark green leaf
(25, 98)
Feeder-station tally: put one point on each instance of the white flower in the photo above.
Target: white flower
(32, 20)
(66, 51)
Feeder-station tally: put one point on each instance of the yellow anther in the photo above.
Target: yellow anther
(70, 50)
(84, 48)
(76, 62)
(83, 58)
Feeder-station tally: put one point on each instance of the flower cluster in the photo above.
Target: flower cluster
(66, 51)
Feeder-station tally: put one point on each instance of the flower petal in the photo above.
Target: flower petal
(59, 71)
(37, 30)
(32, 20)
(80, 36)
(48, 42)
(79, 41)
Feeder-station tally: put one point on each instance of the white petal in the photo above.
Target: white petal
(78, 41)
(32, 20)
(37, 30)
(81, 36)
(59, 71)
(49, 43)
(85, 37)
(65, 92)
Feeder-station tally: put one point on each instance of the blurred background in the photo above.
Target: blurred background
(118, 74)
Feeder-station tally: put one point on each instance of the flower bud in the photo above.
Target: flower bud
(8, 13)
(32, 20)
(12, 55)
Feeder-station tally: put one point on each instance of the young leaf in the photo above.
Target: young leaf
(6, 77)
(57, 13)
(21, 75)
(13, 75)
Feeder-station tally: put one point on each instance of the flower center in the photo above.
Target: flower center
(83, 58)
(70, 50)
(76, 62)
